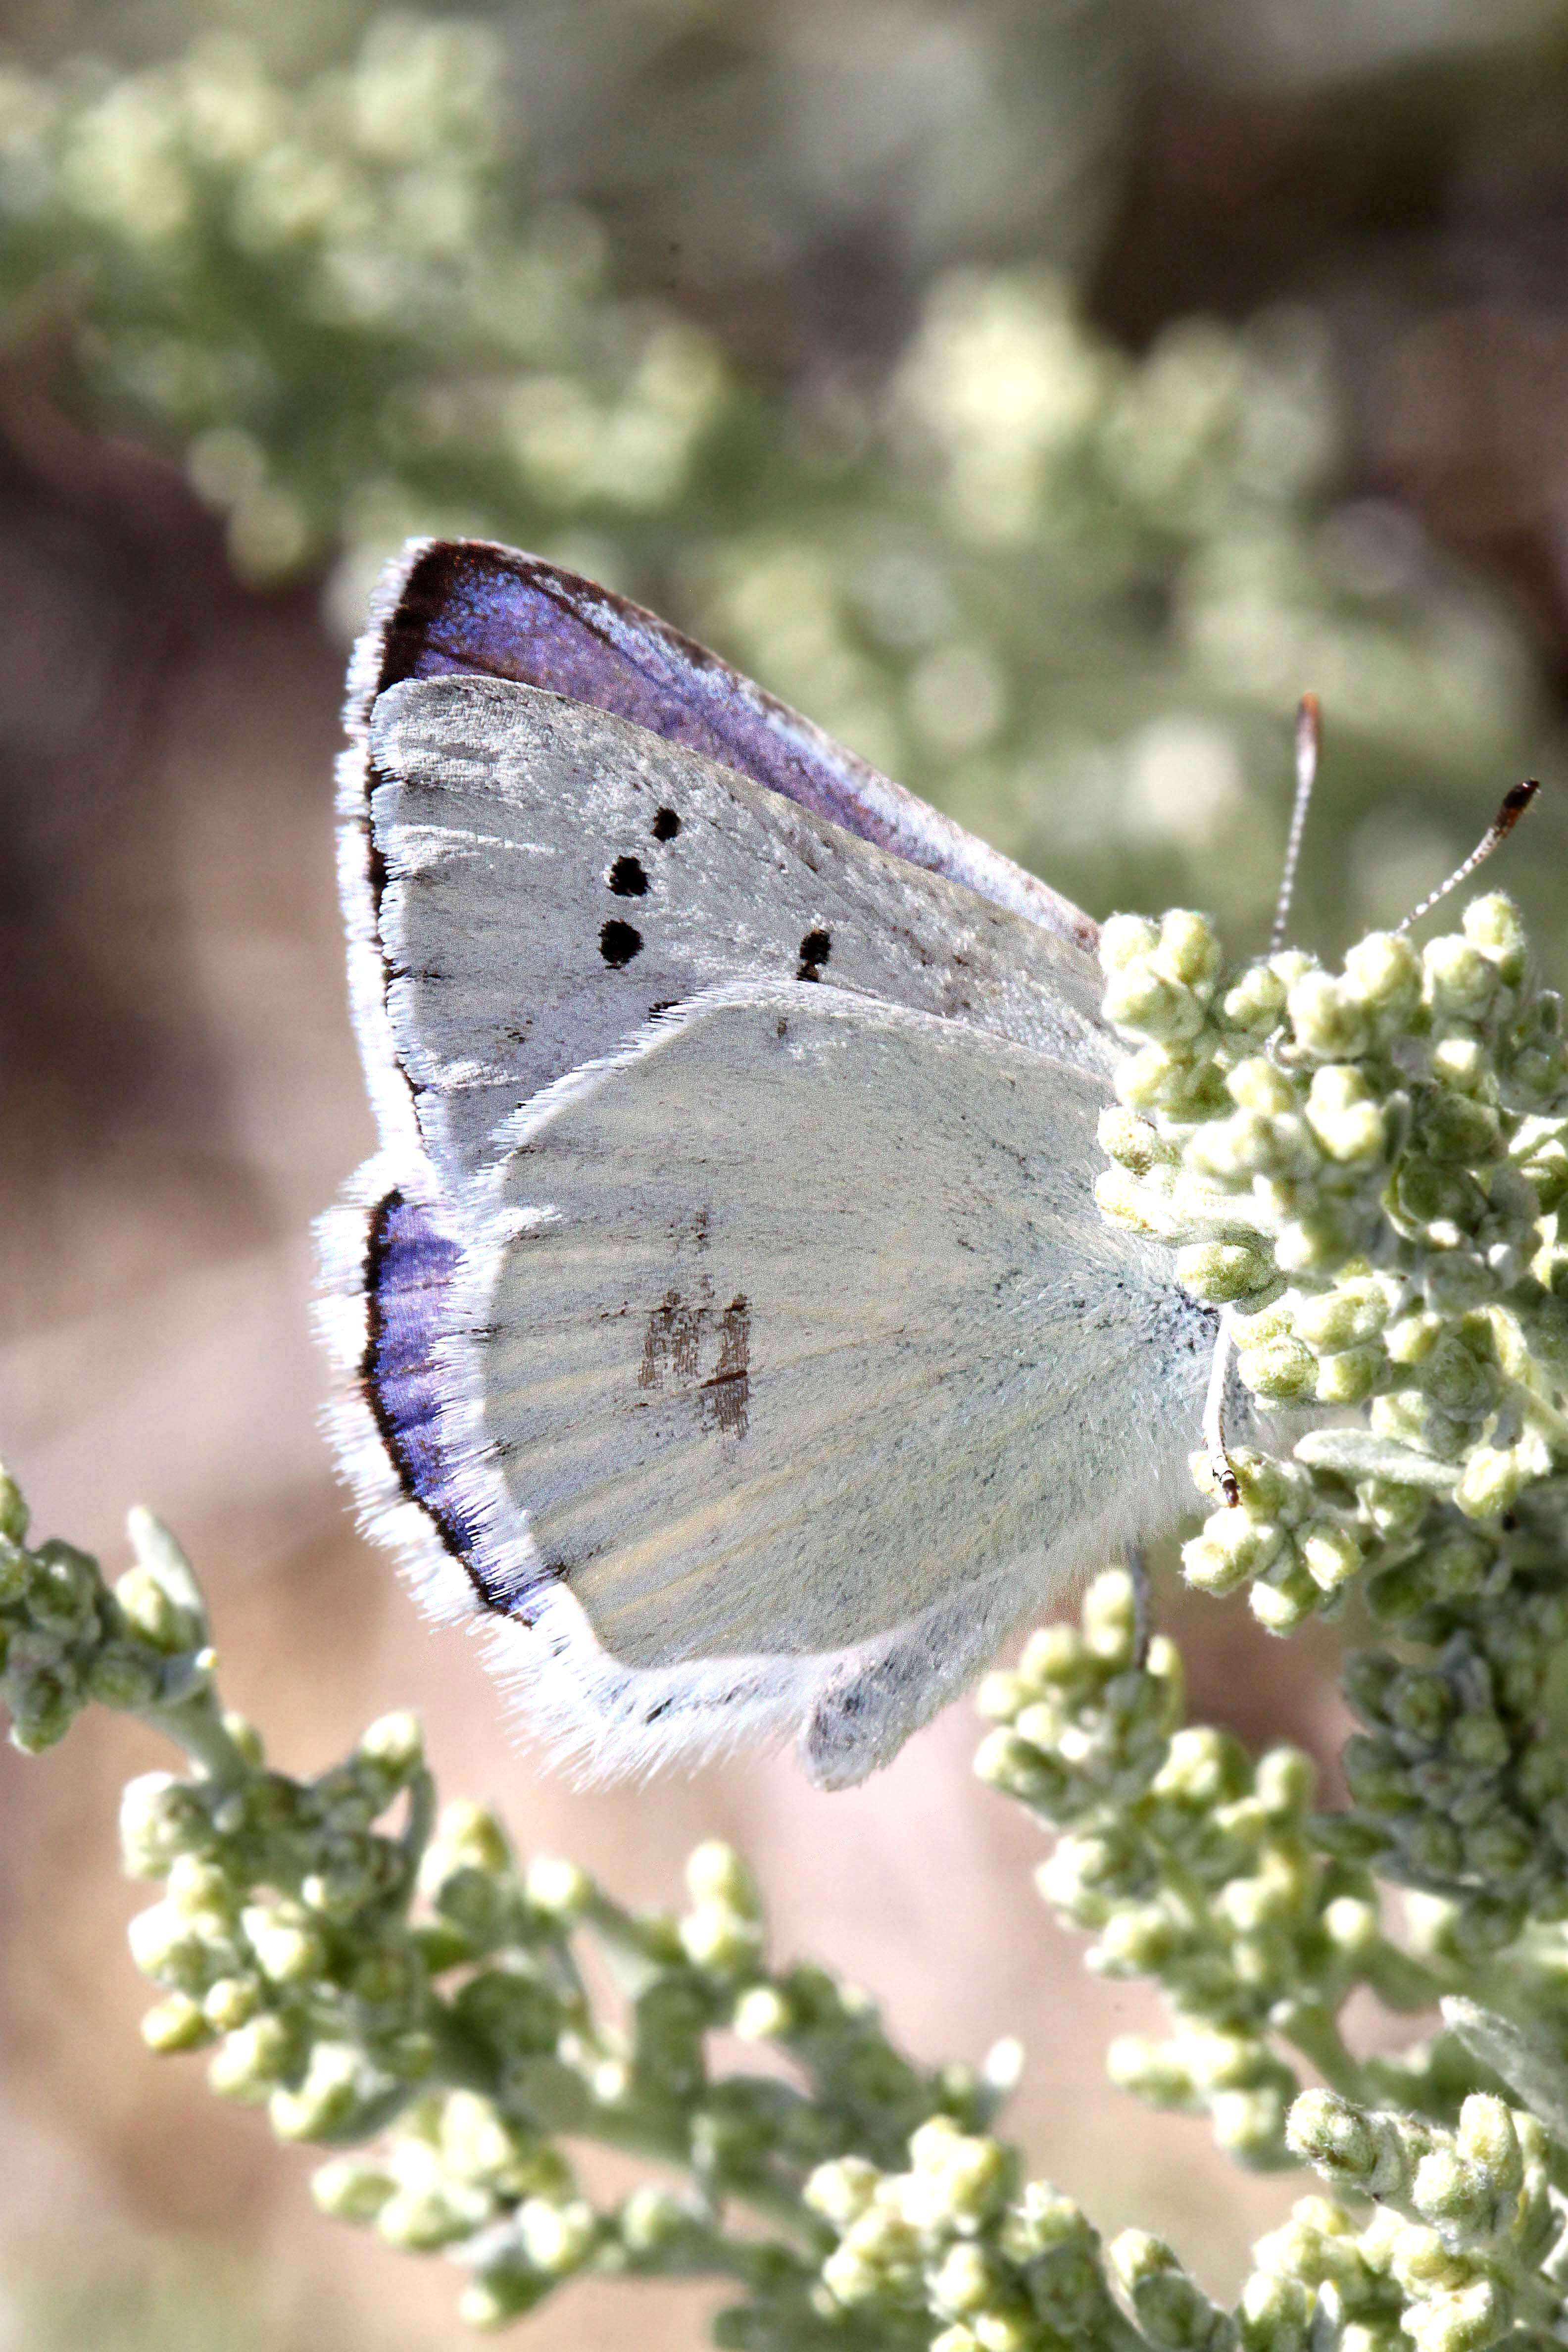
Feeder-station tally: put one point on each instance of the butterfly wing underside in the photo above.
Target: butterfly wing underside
(726, 1312)
(550, 877)
(805, 1282)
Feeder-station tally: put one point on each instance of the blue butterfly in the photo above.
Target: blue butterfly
(725, 1315)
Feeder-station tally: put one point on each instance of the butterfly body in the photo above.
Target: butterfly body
(726, 1313)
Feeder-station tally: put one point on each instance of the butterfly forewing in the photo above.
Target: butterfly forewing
(549, 877)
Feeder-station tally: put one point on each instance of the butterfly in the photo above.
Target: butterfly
(725, 1315)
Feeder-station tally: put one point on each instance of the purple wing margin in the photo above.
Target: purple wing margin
(465, 607)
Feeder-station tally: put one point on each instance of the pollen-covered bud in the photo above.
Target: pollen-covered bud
(1384, 971)
(1329, 1019)
(1344, 1115)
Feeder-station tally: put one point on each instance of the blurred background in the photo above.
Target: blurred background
(1038, 393)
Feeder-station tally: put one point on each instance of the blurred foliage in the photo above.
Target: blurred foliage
(147, 2295)
(569, 278)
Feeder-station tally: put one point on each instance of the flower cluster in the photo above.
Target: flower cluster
(1193, 1867)
(387, 1981)
(1365, 1169)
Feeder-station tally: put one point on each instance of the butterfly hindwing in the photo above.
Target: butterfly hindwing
(795, 1321)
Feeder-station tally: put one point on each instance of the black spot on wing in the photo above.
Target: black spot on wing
(627, 877)
(666, 824)
(618, 942)
(814, 950)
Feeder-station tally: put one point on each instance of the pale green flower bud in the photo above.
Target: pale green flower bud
(1110, 1615)
(1256, 1000)
(1350, 1377)
(1123, 1200)
(1330, 1554)
(962, 2282)
(1285, 1596)
(15, 1570)
(1281, 1371)
(1275, 2314)
(62, 1591)
(1138, 999)
(468, 1837)
(1171, 2310)
(1347, 1317)
(175, 2024)
(1188, 950)
(1055, 1657)
(763, 2015)
(1353, 1927)
(252, 2062)
(841, 2191)
(160, 1817)
(1004, 1760)
(396, 1745)
(1126, 939)
(1135, 1941)
(231, 2003)
(716, 1873)
(1329, 1020)
(1374, 2154)
(335, 2088)
(1286, 1782)
(1459, 983)
(1154, 2072)
(1131, 1141)
(14, 1512)
(971, 2171)
(159, 1595)
(1496, 930)
(421, 2218)
(558, 2239)
(1316, 1242)
(559, 1890)
(168, 1946)
(1385, 970)
(999, 1695)
(1232, 1546)
(502, 2294)
(1256, 1085)
(1220, 1271)
(287, 1951)
(1491, 1482)
(719, 1939)
(1477, 2316)
(122, 1675)
(352, 2188)
(1460, 1062)
(1345, 1116)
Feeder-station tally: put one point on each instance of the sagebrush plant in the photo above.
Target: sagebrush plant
(1368, 1167)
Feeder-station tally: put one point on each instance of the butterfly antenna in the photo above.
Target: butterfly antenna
(1308, 746)
(1514, 804)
